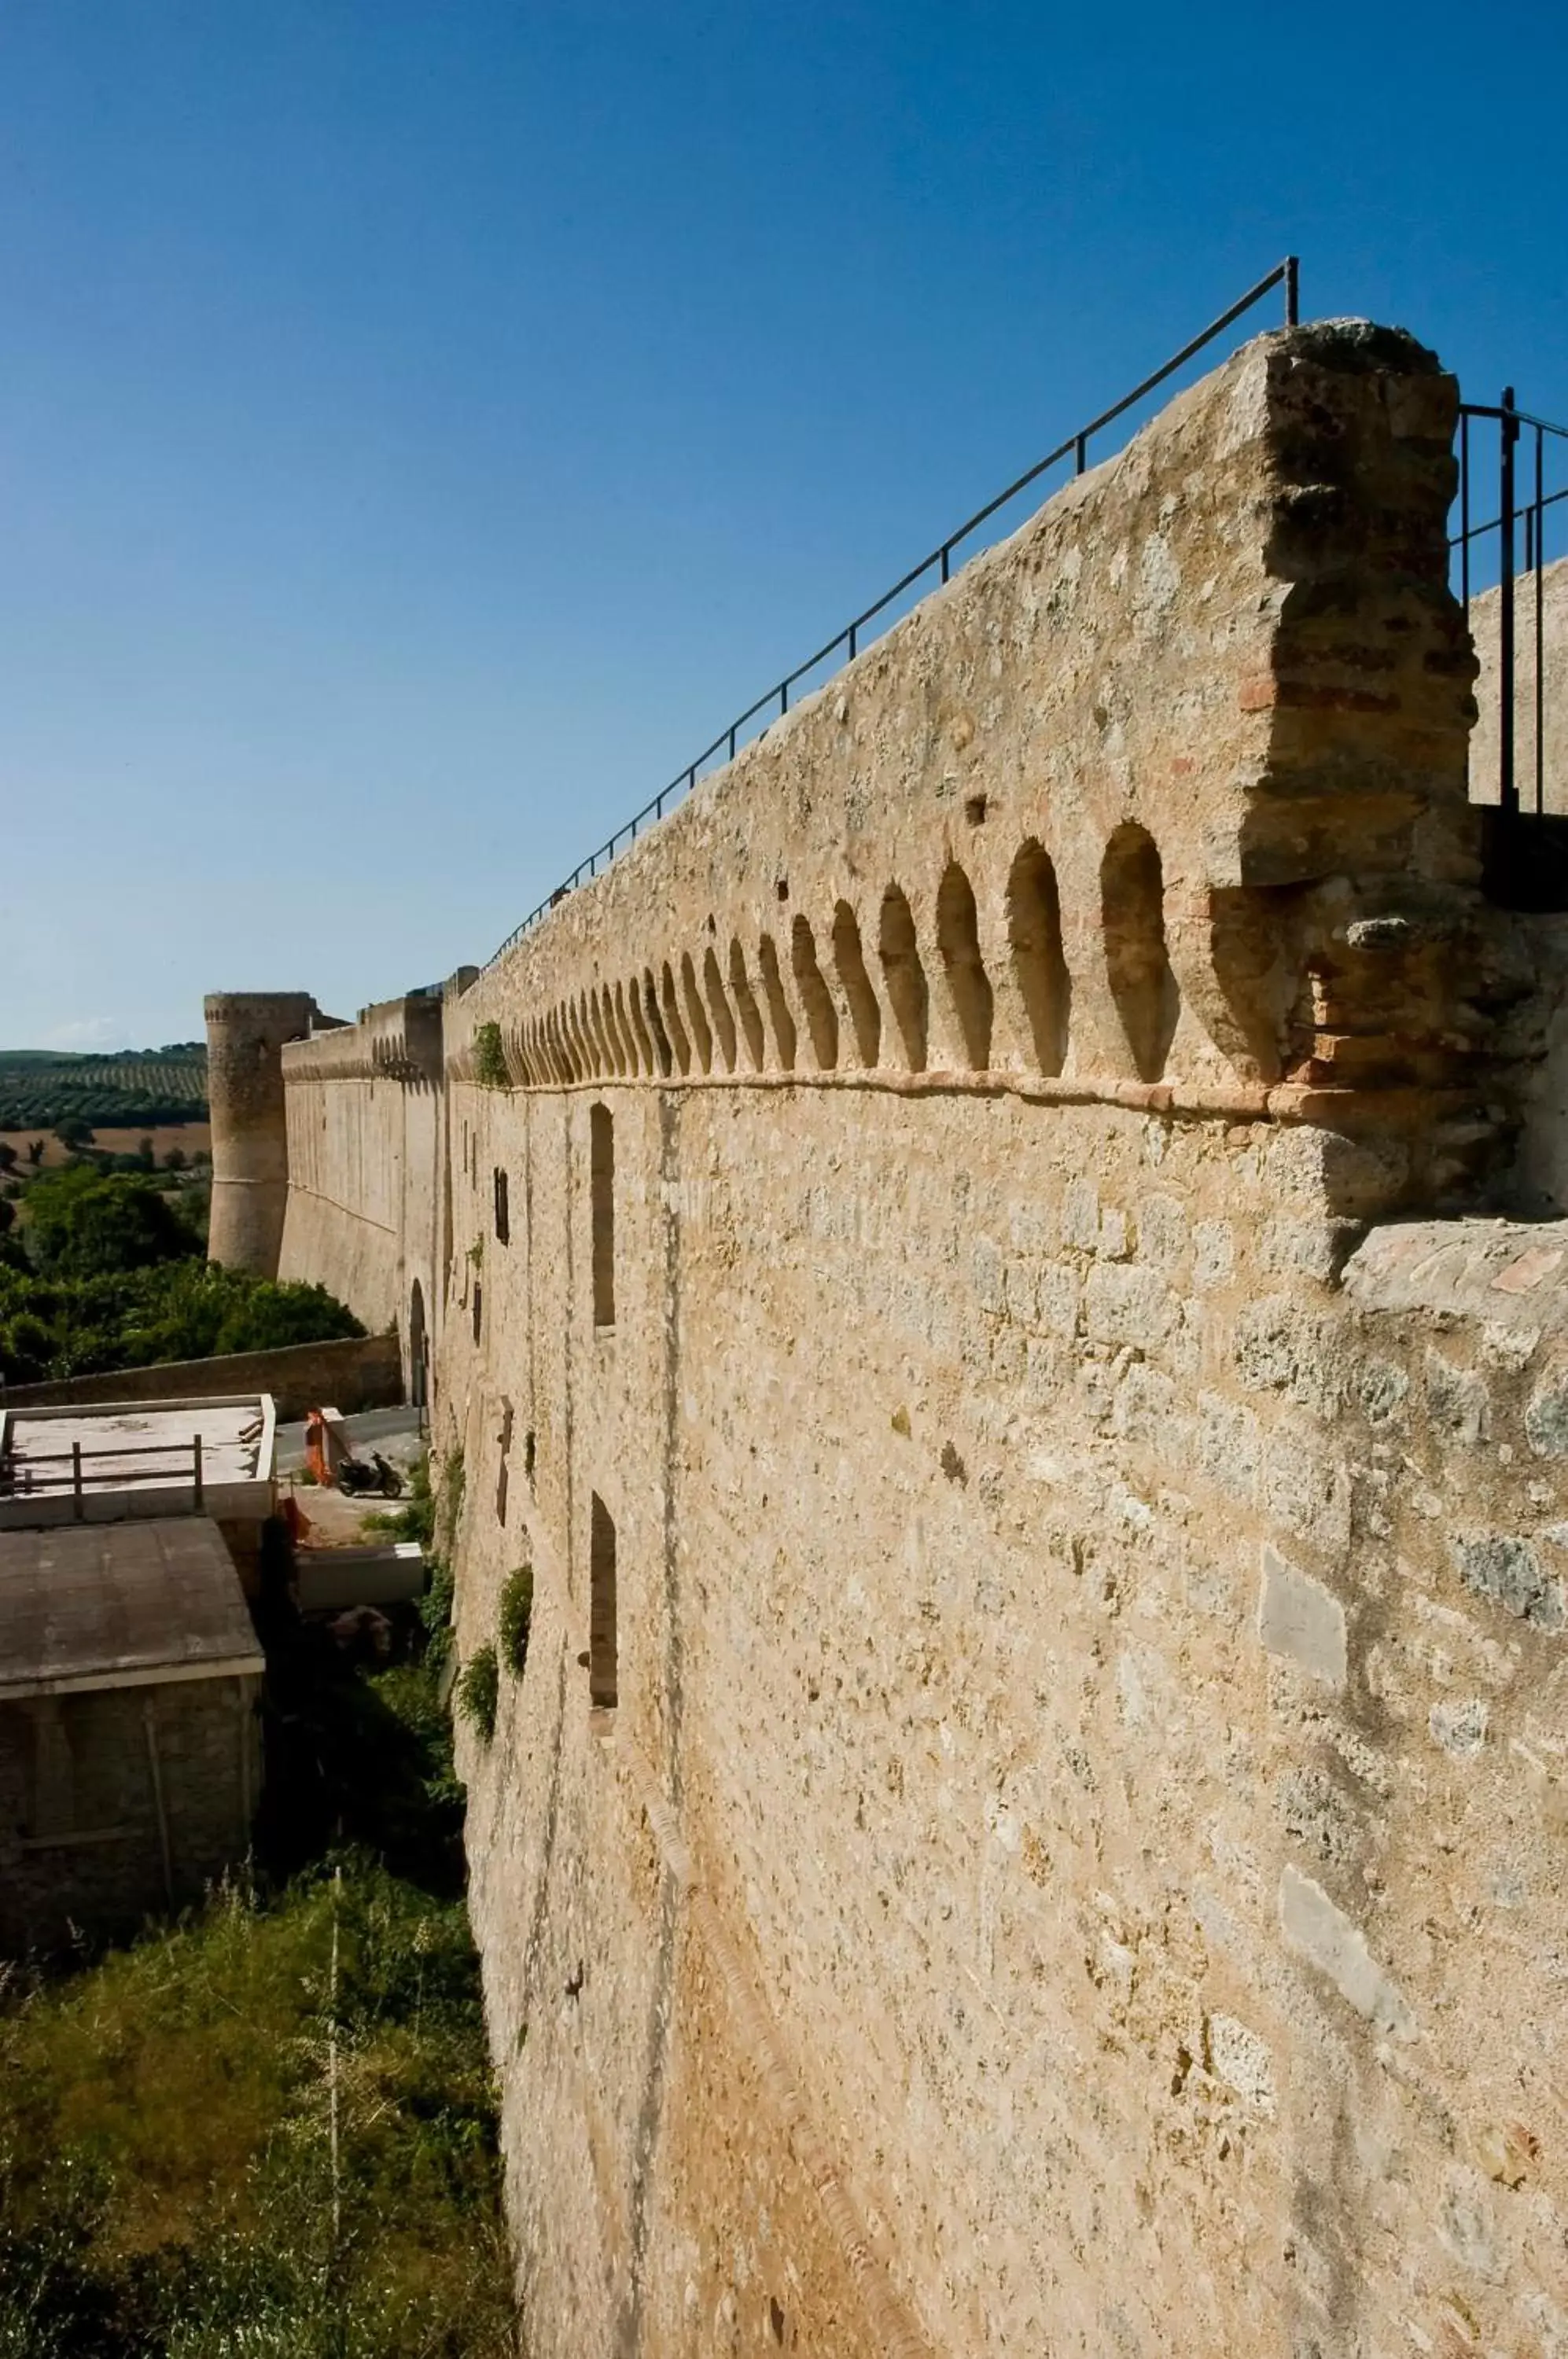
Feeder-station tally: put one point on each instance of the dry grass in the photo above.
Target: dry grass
(167, 2176)
(191, 1138)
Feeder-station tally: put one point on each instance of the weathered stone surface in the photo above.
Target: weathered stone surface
(245, 1032)
(1005, 1910)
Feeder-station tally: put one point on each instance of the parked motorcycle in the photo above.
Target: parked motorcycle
(368, 1478)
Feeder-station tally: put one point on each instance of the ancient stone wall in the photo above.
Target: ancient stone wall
(1036, 1757)
(365, 1131)
(357, 1371)
(1540, 1177)
(245, 1032)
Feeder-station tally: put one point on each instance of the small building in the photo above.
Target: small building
(113, 1461)
(130, 1755)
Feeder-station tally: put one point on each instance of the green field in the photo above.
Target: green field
(39, 1088)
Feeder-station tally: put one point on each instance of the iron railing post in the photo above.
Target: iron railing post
(1508, 784)
(1292, 290)
(1540, 627)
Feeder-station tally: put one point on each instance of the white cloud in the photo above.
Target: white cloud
(88, 1032)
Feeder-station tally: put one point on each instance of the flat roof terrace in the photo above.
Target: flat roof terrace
(115, 1461)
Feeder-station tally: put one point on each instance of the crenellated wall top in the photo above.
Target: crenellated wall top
(1167, 793)
(397, 1039)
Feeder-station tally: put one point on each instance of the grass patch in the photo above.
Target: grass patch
(166, 2175)
(167, 2182)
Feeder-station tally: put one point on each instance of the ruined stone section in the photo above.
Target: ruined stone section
(366, 1120)
(246, 1033)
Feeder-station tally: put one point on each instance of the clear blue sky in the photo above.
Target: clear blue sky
(422, 425)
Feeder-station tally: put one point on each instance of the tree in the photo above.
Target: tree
(36, 1153)
(175, 1159)
(81, 1224)
(7, 1155)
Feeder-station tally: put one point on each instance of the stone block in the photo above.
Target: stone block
(1321, 1932)
(1124, 1304)
(1505, 1568)
(1302, 1620)
(1546, 1418)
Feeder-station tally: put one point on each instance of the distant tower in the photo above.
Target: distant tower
(245, 1032)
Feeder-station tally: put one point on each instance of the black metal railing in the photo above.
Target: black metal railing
(1527, 511)
(850, 641)
(1513, 469)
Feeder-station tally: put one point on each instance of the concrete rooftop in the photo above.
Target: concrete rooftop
(123, 1605)
(138, 1459)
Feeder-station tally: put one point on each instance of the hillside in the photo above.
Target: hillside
(42, 1087)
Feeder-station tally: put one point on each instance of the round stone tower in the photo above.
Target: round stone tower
(245, 1032)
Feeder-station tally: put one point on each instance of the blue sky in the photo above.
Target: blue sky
(423, 426)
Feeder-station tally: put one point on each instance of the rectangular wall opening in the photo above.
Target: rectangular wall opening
(503, 1207)
(601, 1177)
(602, 1605)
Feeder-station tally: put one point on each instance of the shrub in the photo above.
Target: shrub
(435, 1614)
(517, 1618)
(416, 1519)
(489, 1058)
(449, 1501)
(479, 1691)
(83, 1223)
(185, 1309)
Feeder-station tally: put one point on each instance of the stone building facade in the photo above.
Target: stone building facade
(976, 1266)
(130, 1751)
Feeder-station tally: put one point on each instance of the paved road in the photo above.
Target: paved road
(394, 1432)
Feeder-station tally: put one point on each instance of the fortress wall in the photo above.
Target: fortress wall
(1076, 1784)
(1087, 1613)
(365, 1120)
(245, 1032)
(343, 1226)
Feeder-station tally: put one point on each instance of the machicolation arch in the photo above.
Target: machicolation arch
(1007, 992)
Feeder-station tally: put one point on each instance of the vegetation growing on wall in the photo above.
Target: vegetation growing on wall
(515, 1618)
(489, 1058)
(479, 1691)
